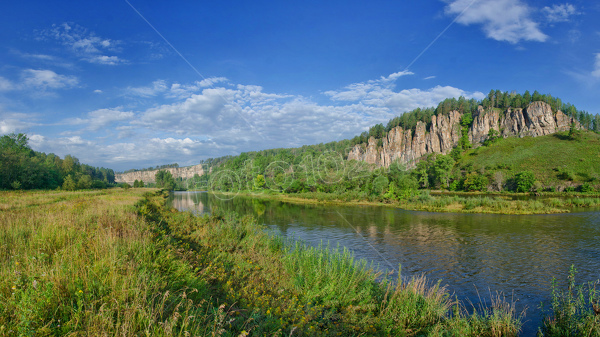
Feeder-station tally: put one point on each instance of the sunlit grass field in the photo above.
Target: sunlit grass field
(547, 157)
(117, 262)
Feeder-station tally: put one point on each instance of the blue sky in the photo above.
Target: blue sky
(134, 84)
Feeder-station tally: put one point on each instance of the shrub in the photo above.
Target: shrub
(475, 182)
(524, 181)
(586, 187)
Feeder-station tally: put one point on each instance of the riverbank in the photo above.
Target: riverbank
(455, 202)
(120, 262)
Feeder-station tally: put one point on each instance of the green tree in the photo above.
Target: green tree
(69, 184)
(164, 179)
(442, 169)
(475, 182)
(524, 181)
(259, 182)
(84, 182)
(380, 185)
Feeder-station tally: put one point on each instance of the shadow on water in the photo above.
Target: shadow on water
(474, 254)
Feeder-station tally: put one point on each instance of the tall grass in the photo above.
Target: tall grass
(116, 263)
(574, 311)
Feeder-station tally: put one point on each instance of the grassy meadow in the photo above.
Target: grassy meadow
(117, 262)
(554, 159)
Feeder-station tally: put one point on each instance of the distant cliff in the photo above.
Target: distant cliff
(148, 176)
(445, 132)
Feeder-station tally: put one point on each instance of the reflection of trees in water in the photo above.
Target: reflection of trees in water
(462, 249)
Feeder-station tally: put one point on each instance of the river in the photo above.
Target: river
(475, 255)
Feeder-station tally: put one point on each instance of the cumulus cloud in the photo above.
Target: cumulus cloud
(12, 122)
(501, 20)
(358, 91)
(559, 13)
(381, 93)
(46, 79)
(85, 44)
(102, 118)
(596, 72)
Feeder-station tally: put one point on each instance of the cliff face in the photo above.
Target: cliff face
(445, 131)
(148, 176)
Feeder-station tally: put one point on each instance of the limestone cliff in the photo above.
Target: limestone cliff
(445, 132)
(148, 176)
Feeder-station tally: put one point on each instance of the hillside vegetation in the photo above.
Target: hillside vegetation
(555, 160)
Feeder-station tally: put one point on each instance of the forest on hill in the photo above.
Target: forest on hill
(24, 168)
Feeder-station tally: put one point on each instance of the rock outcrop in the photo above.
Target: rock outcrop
(148, 176)
(444, 133)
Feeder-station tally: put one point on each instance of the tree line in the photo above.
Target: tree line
(24, 168)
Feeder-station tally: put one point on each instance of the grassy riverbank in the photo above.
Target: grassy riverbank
(118, 262)
(498, 203)
(114, 262)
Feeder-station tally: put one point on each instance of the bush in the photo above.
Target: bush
(524, 181)
(475, 182)
(586, 187)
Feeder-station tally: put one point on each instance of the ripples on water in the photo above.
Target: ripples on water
(474, 254)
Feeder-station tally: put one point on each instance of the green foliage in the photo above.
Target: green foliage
(572, 310)
(442, 169)
(27, 169)
(475, 182)
(493, 136)
(586, 188)
(259, 182)
(524, 181)
(164, 179)
(380, 185)
(69, 184)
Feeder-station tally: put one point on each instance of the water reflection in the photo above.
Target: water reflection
(474, 254)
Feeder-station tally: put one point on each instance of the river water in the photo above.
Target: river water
(475, 255)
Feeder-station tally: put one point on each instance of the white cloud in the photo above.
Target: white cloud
(174, 90)
(381, 94)
(429, 77)
(98, 91)
(87, 45)
(103, 59)
(358, 91)
(46, 79)
(502, 20)
(5, 84)
(101, 118)
(596, 72)
(209, 82)
(15, 122)
(559, 13)
(157, 87)
(43, 58)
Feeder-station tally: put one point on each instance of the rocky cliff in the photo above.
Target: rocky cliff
(148, 176)
(445, 132)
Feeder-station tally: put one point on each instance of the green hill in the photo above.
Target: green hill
(555, 160)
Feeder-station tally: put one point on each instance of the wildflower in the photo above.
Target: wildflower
(80, 291)
(14, 287)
